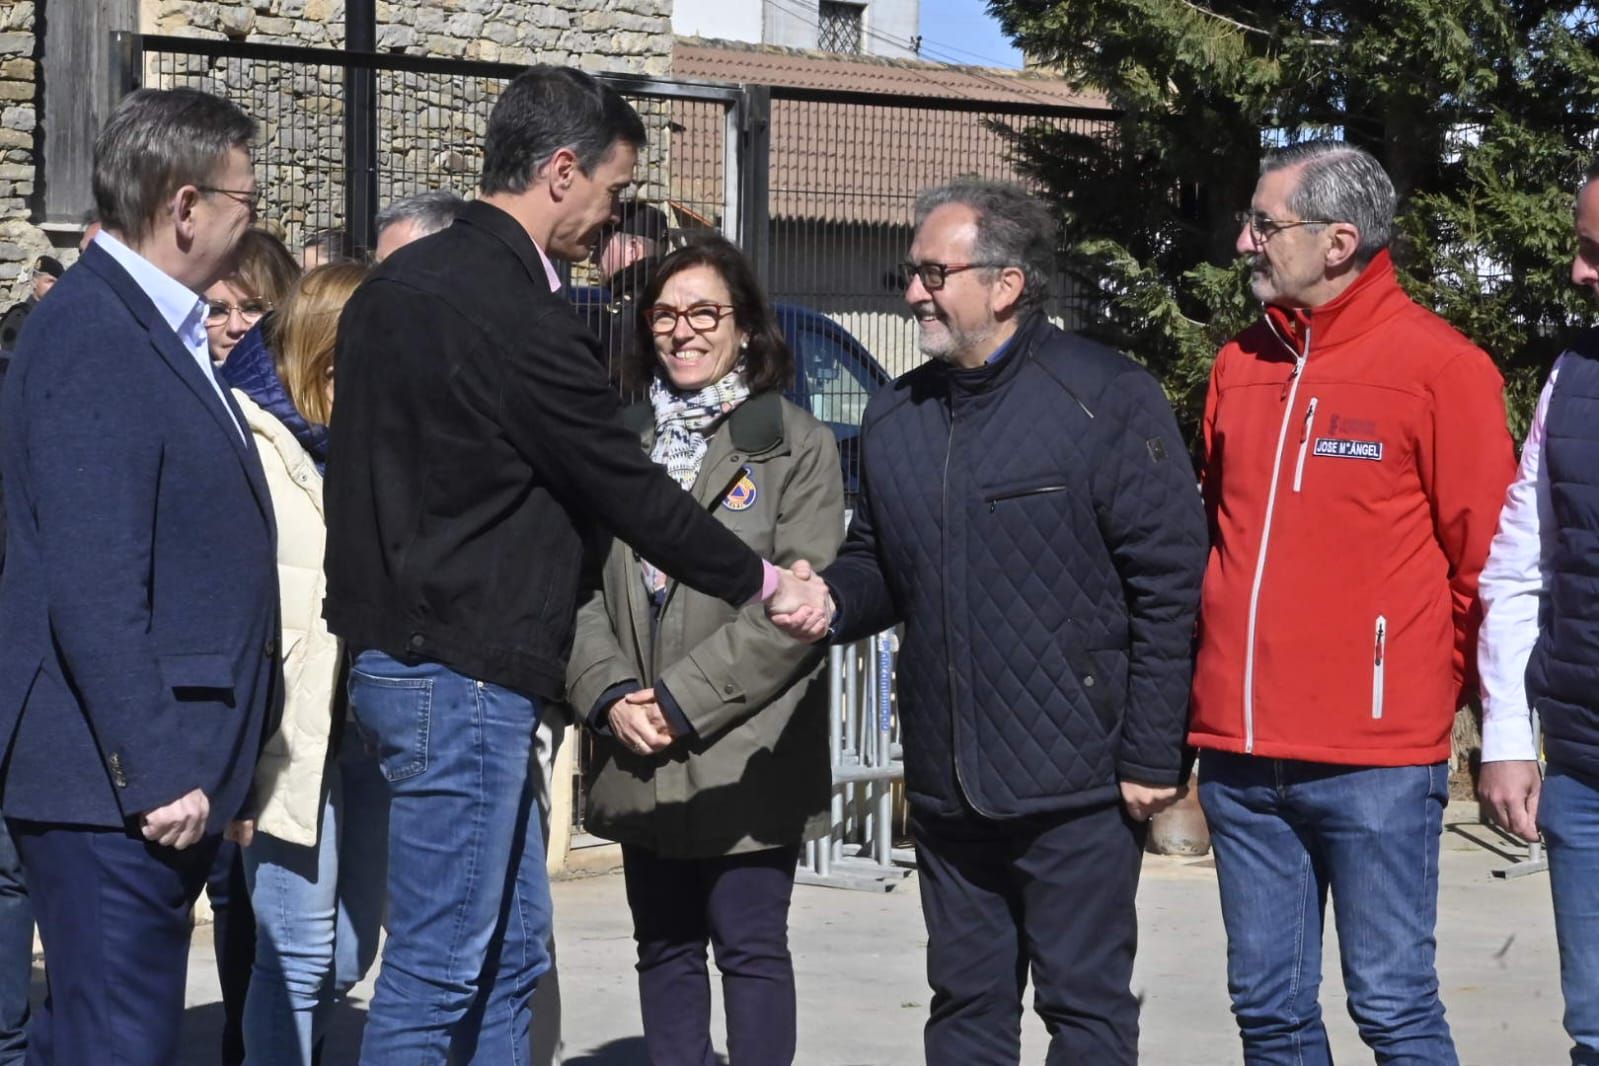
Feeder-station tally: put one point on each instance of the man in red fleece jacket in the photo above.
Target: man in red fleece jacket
(1356, 459)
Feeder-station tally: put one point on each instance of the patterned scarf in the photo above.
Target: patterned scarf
(681, 419)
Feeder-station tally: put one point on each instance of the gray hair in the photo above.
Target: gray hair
(1014, 228)
(156, 142)
(429, 211)
(1342, 183)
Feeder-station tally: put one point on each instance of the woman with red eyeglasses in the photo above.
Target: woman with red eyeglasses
(711, 725)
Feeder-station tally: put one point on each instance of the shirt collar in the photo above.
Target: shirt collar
(1002, 351)
(179, 306)
(549, 269)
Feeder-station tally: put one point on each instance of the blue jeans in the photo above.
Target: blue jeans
(314, 905)
(469, 899)
(16, 953)
(1285, 833)
(1568, 818)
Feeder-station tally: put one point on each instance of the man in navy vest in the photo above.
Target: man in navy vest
(1540, 594)
(138, 607)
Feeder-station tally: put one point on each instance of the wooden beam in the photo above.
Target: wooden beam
(79, 93)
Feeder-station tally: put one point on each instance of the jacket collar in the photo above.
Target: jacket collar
(753, 429)
(510, 233)
(179, 306)
(1368, 302)
(228, 418)
(251, 368)
(303, 470)
(991, 376)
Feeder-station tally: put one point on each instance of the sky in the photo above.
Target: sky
(962, 31)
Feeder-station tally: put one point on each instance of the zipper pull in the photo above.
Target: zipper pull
(1382, 634)
(1310, 418)
(1299, 365)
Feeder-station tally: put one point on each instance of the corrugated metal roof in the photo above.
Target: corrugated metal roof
(858, 161)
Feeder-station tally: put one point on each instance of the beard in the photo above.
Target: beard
(1261, 283)
(940, 339)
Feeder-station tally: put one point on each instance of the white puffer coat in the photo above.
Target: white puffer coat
(288, 780)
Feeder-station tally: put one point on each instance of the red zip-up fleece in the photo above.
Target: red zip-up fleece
(1356, 458)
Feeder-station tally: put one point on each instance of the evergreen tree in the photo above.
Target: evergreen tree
(1483, 112)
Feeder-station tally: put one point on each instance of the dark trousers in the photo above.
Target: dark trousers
(739, 904)
(1053, 897)
(233, 935)
(16, 954)
(113, 913)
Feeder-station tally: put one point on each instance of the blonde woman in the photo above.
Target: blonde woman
(263, 272)
(314, 860)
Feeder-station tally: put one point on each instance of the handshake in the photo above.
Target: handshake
(802, 606)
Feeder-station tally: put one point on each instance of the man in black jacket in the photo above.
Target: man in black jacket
(1028, 513)
(476, 441)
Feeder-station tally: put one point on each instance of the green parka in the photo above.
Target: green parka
(755, 772)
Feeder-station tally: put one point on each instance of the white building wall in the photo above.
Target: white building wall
(723, 20)
(791, 23)
(890, 25)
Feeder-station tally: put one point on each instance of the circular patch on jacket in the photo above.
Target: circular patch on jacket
(741, 497)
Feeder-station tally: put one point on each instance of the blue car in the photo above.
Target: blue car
(834, 373)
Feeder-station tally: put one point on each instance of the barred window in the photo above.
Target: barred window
(841, 27)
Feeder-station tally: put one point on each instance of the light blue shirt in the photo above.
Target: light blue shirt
(177, 304)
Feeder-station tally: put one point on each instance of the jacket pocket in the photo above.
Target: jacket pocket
(999, 494)
(1378, 665)
(394, 716)
(211, 672)
(1304, 442)
(1097, 688)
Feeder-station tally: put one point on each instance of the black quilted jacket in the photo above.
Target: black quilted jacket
(1036, 526)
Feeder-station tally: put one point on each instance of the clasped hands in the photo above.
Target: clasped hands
(802, 606)
(638, 723)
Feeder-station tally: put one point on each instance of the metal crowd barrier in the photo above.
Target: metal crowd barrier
(858, 850)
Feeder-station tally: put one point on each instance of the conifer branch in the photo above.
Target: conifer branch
(1319, 42)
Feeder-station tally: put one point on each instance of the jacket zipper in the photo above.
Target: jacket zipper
(950, 658)
(1378, 666)
(1304, 443)
(1265, 541)
(995, 501)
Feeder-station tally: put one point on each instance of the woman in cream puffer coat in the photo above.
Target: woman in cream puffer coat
(316, 846)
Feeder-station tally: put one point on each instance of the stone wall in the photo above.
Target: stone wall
(430, 127)
(20, 241)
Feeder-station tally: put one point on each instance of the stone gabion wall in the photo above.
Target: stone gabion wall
(430, 128)
(20, 241)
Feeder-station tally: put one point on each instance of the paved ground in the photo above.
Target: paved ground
(862, 997)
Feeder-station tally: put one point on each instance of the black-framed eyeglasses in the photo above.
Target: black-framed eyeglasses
(218, 311)
(701, 317)
(1263, 227)
(249, 199)
(934, 275)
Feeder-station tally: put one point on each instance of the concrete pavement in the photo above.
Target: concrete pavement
(863, 998)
